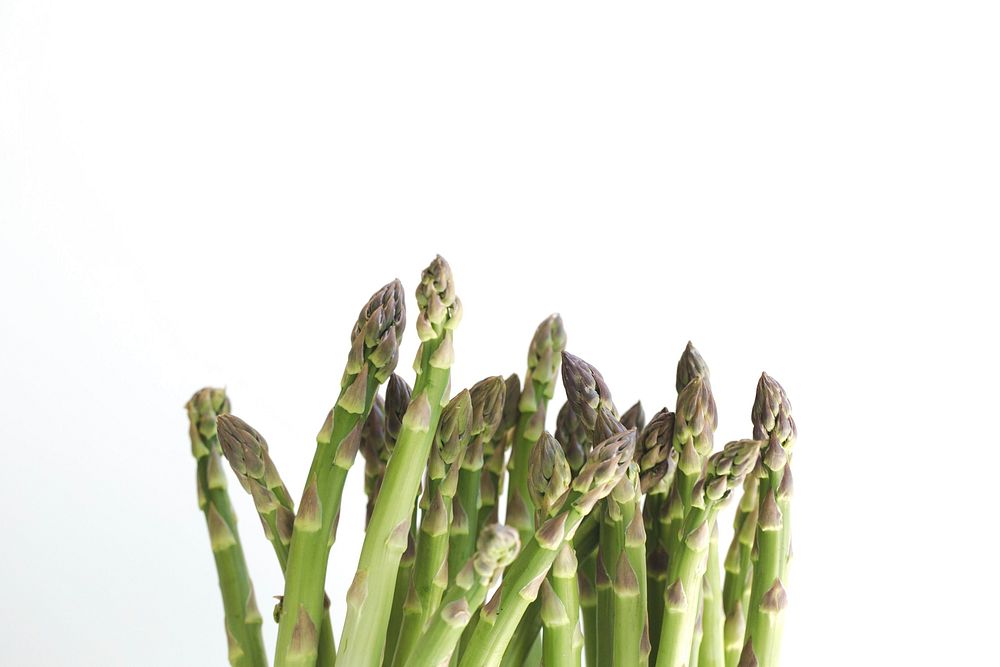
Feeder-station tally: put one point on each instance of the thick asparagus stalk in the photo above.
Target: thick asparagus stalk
(246, 451)
(496, 547)
(539, 385)
(487, 410)
(725, 471)
(772, 423)
(243, 620)
(606, 465)
(494, 453)
(373, 356)
(370, 594)
(630, 639)
(562, 641)
(430, 570)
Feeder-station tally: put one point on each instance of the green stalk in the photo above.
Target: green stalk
(370, 595)
(588, 607)
(242, 619)
(698, 632)
(373, 356)
(498, 620)
(725, 470)
(487, 411)
(736, 585)
(539, 385)
(562, 641)
(494, 453)
(713, 619)
(496, 548)
(628, 614)
(773, 423)
(246, 451)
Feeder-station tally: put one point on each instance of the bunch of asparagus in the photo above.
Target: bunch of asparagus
(610, 552)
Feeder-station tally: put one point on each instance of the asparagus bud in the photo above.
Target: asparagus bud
(655, 453)
(397, 399)
(548, 475)
(586, 390)
(634, 417)
(690, 366)
(572, 436)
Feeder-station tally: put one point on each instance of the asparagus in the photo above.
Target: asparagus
(736, 585)
(694, 425)
(373, 450)
(243, 620)
(689, 366)
(247, 453)
(430, 569)
(487, 410)
(772, 423)
(539, 385)
(495, 549)
(725, 471)
(373, 356)
(712, 652)
(605, 466)
(587, 580)
(397, 399)
(630, 637)
(370, 593)
(634, 417)
(572, 436)
(495, 451)
(562, 641)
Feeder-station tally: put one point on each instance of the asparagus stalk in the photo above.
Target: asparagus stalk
(495, 549)
(630, 639)
(605, 466)
(397, 399)
(713, 619)
(772, 423)
(657, 463)
(370, 594)
(246, 451)
(494, 454)
(487, 410)
(243, 620)
(373, 450)
(539, 385)
(725, 471)
(373, 356)
(430, 569)
(562, 641)
(736, 585)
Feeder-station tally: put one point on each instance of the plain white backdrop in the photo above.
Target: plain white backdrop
(200, 193)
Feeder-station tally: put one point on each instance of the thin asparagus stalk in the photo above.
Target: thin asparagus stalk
(539, 385)
(630, 639)
(243, 620)
(430, 569)
(487, 410)
(725, 471)
(370, 594)
(605, 466)
(494, 454)
(773, 423)
(397, 399)
(588, 607)
(373, 356)
(736, 585)
(657, 463)
(696, 637)
(246, 451)
(496, 547)
(713, 619)
(373, 450)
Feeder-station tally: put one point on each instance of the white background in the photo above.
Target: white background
(208, 192)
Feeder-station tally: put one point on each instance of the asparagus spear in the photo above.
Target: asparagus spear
(736, 585)
(572, 436)
(562, 641)
(370, 594)
(487, 410)
(243, 620)
(246, 451)
(630, 639)
(689, 366)
(373, 356)
(713, 619)
(430, 569)
(397, 399)
(539, 385)
(495, 451)
(772, 423)
(725, 471)
(495, 549)
(605, 466)
(634, 417)
(587, 580)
